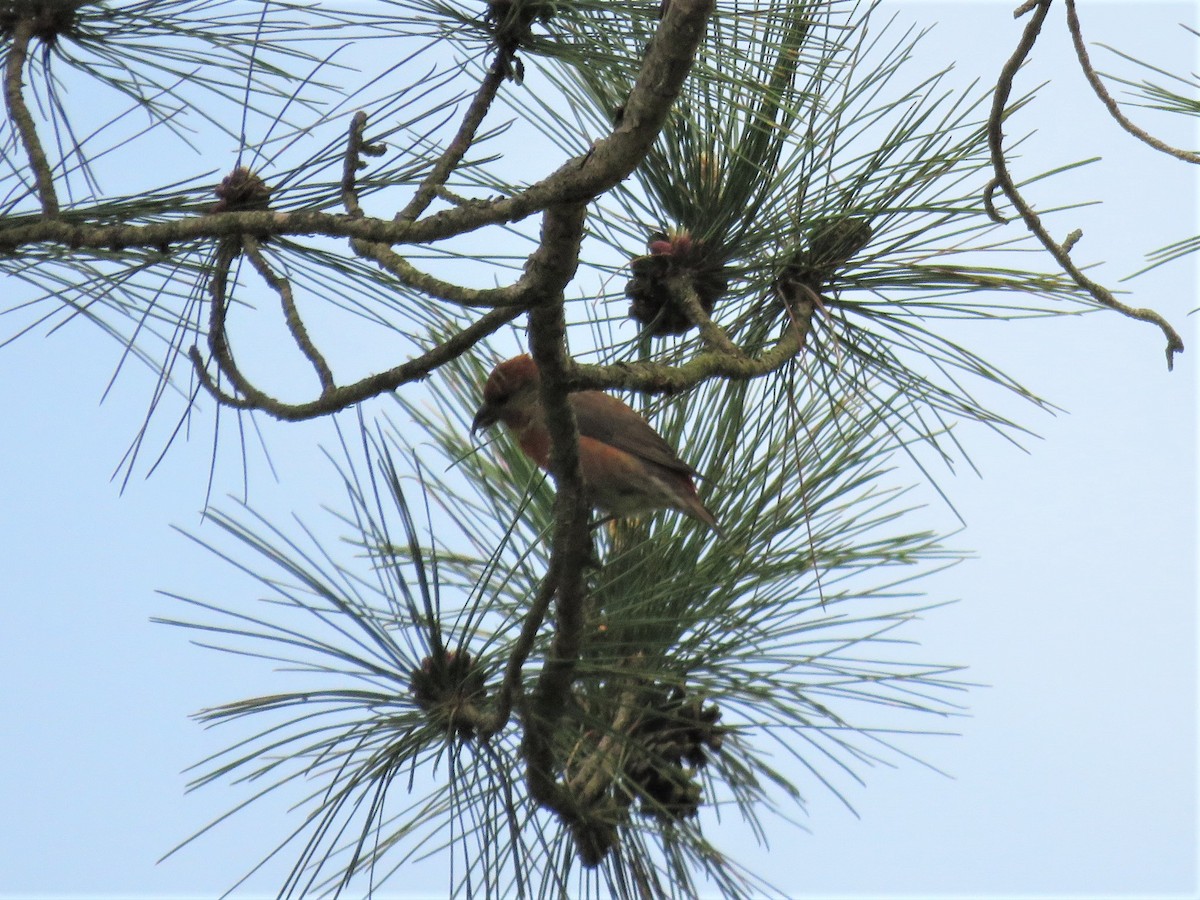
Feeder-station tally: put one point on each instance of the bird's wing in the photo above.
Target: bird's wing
(607, 419)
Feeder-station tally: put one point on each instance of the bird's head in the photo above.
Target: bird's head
(510, 395)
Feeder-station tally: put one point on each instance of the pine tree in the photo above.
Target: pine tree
(750, 220)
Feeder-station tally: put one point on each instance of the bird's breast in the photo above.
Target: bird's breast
(535, 443)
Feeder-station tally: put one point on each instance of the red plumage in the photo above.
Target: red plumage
(627, 466)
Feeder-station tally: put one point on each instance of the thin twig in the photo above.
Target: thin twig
(1003, 179)
(989, 203)
(218, 339)
(218, 343)
(19, 113)
(488, 725)
(356, 148)
(461, 143)
(409, 275)
(713, 335)
(291, 315)
(1110, 104)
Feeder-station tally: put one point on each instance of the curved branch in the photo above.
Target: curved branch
(246, 395)
(415, 369)
(989, 203)
(218, 341)
(661, 378)
(332, 399)
(489, 724)
(461, 143)
(14, 66)
(409, 275)
(1114, 110)
(547, 273)
(211, 385)
(711, 334)
(295, 324)
(1003, 180)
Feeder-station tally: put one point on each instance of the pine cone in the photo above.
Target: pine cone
(444, 684)
(673, 257)
(675, 729)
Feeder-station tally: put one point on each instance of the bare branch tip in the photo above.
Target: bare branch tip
(989, 202)
(1174, 345)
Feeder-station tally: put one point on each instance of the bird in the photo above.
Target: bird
(627, 466)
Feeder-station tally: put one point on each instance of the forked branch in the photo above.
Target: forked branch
(1003, 180)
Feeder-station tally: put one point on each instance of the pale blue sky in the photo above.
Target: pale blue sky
(1076, 772)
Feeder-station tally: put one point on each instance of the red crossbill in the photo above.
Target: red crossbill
(626, 465)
